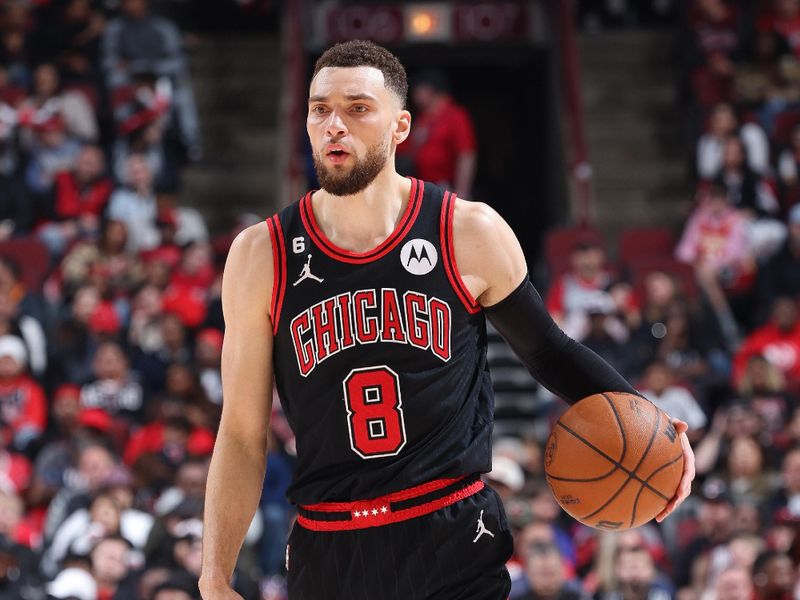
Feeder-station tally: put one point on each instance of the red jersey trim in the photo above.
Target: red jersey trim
(279, 270)
(378, 511)
(337, 253)
(449, 256)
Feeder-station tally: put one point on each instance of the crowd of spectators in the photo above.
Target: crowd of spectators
(704, 322)
(110, 320)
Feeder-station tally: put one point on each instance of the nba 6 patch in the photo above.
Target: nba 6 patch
(419, 256)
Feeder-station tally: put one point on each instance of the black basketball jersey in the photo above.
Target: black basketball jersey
(379, 357)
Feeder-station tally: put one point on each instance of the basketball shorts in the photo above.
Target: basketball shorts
(381, 550)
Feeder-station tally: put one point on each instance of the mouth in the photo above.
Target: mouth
(336, 154)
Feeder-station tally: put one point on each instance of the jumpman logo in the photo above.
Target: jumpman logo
(481, 529)
(307, 274)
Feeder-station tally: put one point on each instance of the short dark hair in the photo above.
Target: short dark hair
(364, 53)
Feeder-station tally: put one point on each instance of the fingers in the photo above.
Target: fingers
(685, 485)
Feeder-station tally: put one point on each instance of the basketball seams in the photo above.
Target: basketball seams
(631, 475)
(641, 460)
(647, 479)
(621, 426)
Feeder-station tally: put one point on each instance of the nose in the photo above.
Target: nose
(335, 126)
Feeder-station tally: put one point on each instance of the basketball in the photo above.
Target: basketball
(613, 461)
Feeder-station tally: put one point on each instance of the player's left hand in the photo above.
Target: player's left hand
(685, 485)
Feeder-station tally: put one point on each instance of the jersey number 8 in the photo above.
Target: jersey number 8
(374, 412)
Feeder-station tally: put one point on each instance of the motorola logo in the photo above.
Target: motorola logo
(419, 256)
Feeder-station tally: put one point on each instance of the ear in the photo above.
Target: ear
(402, 127)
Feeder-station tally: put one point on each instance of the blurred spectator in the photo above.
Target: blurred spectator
(144, 331)
(174, 348)
(30, 330)
(714, 42)
(23, 407)
(789, 168)
(137, 43)
(442, 144)
(135, 205)
(636, 578)
(15, 42)
(723, 124)
(93, 467)
(48, 100)
(106, 265)
(754, 196)
(111, 569)
(51, 152)
(80, 198)
(602, 320)
(85, 527)
(715, 527)
(780, 276)
(585, 284)
(70, 35)
(506, 477)
(773, 576)
(734, 583)
(190, 227)
(788, 495)
(778, 342)
(763, 386)
(747, 478)
(546, 575)
(659, 387)
(115, 389)
(145, 136)
(715, 244)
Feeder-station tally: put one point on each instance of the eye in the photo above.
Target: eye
(360, 108)
(318, 109)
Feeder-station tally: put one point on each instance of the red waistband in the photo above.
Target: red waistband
(379, 511)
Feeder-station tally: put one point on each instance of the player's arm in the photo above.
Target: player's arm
(237, 468)
(493, 268)
(489, 254)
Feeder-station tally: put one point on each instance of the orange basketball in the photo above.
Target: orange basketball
(613, 460)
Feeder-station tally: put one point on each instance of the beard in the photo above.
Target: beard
(364, 171)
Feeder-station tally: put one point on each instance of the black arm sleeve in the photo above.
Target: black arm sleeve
(565, 367)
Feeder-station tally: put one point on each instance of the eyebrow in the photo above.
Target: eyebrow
(350, 97)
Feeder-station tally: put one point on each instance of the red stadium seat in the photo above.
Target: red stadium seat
(31, 256)
(640, 242)
(560, 243)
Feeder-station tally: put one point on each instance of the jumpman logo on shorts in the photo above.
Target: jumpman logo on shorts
(481, 529)
(307, 274)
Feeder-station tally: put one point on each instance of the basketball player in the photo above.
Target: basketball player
(379, 356)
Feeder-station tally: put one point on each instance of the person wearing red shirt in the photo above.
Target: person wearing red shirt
(23, 407)
(80, 197)
(778, 341)
(442, 144)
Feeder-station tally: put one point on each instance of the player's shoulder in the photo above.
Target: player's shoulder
(474, 219)
(252, 248)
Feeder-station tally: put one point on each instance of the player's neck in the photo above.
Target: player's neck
(364, 220)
